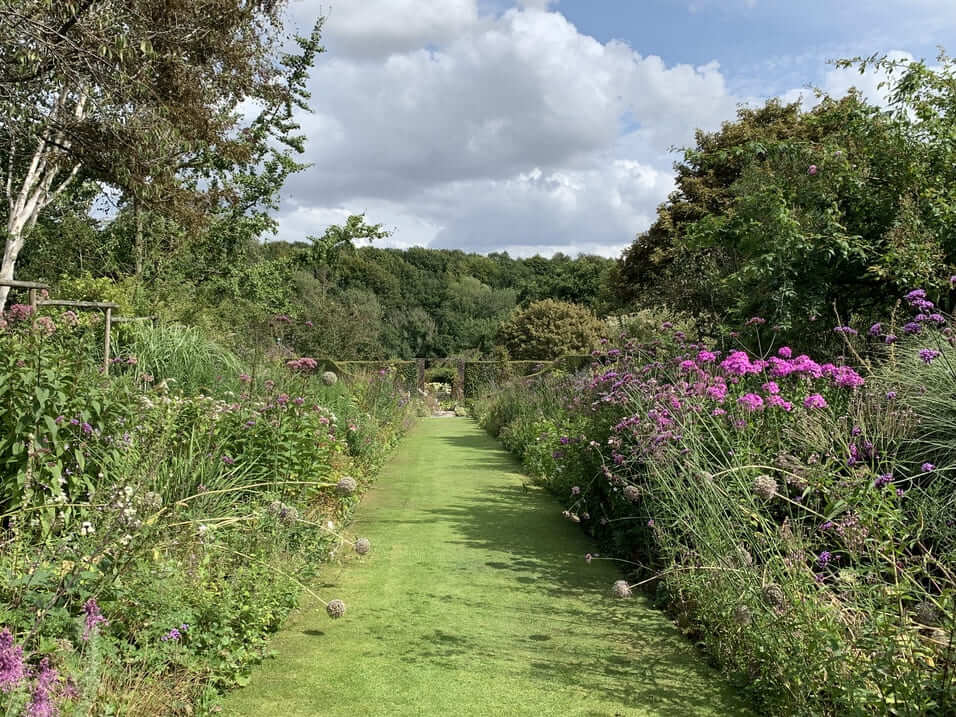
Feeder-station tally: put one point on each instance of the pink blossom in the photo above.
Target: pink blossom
(815, 400)
(751, 401)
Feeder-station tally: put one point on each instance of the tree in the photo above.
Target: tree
(150, 110)
(326, 249)
(786, 213)
(547, 329)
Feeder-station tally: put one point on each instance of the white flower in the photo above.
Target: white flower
(87, 528)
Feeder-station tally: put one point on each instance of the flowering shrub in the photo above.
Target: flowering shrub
(154, 538)
(794, 514)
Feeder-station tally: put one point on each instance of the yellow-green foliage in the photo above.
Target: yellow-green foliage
(547, 329)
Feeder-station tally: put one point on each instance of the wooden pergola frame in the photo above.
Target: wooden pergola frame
(107, 307)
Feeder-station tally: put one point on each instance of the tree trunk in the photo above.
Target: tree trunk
(138, 214)
(36, 190)
(11, 251)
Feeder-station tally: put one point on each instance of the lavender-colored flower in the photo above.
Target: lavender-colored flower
(890, 339)
(911, 328)
(891, 395)
(93, 618)
(41, 698)
(812, 170)
(876, 329)
(884, 480)
(228, 460)
(785, 352)
(173, 635)
(846, 330)
(928, 355)
(927, 467)
(815, 400)
(87, 428)
(335, 609)
(825, 557)
(621, 589)
(12, 670)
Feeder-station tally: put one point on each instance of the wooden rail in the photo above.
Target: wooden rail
(33, 287)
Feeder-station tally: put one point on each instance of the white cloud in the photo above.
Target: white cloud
(511, 131)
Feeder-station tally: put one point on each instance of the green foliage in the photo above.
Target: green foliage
(786, 214)
(192, 521)
(548, 329)
(790, 542)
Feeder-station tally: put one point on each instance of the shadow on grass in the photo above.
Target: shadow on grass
(642, 662)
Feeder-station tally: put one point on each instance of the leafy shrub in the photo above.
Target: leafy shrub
(547, 329)
(154, 538)
(791, 514)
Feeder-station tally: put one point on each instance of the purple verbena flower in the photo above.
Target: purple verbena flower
(928, 355)
(12, 670)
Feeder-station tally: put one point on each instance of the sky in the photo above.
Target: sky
(541, 126)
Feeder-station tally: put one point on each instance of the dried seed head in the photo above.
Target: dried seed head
(621, 589)
(927, 614)
(335, 609)
(742, 615)
(765, 487)
(362, 546)
(346, 485)
(329, 378)
(775, 597)
(632, 492)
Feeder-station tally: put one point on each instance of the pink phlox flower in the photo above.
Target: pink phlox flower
(751, 401)
(779, 402)
(815, 400)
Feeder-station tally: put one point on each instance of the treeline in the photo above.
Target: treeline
(809, 218)
(345, 301)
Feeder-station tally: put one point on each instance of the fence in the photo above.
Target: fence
(33, 291)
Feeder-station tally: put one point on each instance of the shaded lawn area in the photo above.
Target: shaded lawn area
(476, 600)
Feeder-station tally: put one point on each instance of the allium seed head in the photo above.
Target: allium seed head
(346, 485)
(765, 487)
(632, 492)
(927, 614)
(621, 589)
(335, 609)
(742, 615)
(329, 378)
(362, 546)
(775, 597)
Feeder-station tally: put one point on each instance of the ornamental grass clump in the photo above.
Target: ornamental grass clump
(798, 510)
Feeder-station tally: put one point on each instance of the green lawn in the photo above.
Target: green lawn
(476, 600)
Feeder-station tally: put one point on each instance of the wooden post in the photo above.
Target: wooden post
(460, 385)
(33, 300)
(421, 374)
(106, 342)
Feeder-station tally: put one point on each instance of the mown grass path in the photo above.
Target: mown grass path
(476, 600)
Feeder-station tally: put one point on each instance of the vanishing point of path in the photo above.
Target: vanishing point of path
(476, 600)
